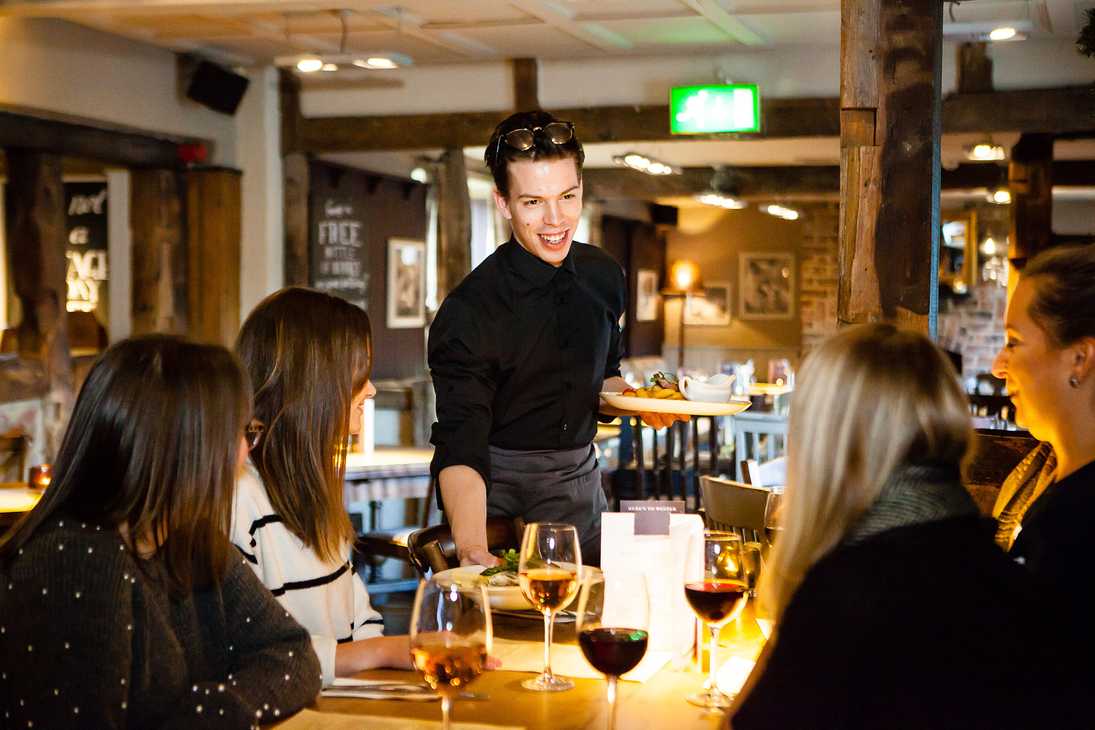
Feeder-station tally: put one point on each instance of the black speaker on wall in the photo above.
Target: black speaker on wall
(216, 87)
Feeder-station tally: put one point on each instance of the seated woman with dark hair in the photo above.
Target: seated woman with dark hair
(893, 607)
(122, 602)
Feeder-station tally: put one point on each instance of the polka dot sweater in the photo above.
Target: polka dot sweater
(89, 638)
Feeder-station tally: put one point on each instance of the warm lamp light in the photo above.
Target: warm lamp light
(683, 279)
(40, 476)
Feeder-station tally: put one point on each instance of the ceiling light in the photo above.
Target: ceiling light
(1004, 33)
(329, 67)
(721, 201)
(779, 211)
(309, 64)
(989, 247)
(419, 174)
(642, 163)
(1000, 197)
(377, 63)
(985, 151)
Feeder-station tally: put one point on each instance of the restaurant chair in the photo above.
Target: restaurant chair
(734, 507)
(771, 473)
(758, 436)
(432, 549)
(374, 547)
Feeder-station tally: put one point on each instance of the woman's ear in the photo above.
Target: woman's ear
(1083, 359)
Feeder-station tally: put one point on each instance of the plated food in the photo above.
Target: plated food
(504, 595)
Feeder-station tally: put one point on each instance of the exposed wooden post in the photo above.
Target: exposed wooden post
(35, 221)
(159, 252)
(889, 183)
(526, 84)
(295, 190)
(454, 221)
(1030, 180)
(213, 254)
(291, 117)
(974, 69)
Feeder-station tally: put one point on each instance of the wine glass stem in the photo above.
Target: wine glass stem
(712, 665)
(611, 692)
(549, 627)
(446, 711)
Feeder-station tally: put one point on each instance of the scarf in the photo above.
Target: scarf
(914, 494)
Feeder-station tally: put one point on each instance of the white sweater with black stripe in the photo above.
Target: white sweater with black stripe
(328, 599)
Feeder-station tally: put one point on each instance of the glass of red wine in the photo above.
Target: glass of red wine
(548, 570)
(717, 597)
(613, 621)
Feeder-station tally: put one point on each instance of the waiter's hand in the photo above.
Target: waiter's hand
(663, 420)
(478, 556)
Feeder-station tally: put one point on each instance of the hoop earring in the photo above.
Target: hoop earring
(1074, 382)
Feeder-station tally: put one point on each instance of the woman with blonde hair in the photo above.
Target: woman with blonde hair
(309, 357)
(893, 606)
(122, 603)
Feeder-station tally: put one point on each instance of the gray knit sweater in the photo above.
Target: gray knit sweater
(90, 638)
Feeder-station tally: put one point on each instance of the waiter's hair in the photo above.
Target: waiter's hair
(307, 354)
(869, 400)
(499, 155)
(152, 448)
(1063, 305)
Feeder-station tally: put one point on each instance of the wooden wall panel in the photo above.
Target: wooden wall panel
(159, 252)
(637, 245)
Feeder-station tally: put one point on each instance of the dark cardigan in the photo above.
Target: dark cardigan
(921, 626)
(89, 638)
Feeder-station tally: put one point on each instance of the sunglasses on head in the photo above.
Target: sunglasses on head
(524, 139)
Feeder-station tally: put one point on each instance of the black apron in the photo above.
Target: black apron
(550, 486)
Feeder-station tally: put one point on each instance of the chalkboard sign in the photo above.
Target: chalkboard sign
(339, 254)
(86, 249)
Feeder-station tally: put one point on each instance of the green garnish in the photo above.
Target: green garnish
(510, 562)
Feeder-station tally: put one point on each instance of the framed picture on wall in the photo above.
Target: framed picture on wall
(767, 285)
(712, 308)
(406, 283)
(646, 295)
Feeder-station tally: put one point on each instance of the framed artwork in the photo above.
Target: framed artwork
(646, 295)
(712, 308)
(958, 252)
(406, 283)
(767, 284)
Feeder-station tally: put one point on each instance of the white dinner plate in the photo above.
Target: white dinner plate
(503, 598)
(665, 405)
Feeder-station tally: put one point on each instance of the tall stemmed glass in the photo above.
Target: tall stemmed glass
(717, 599)
(773, 516)
(451, 636)
(551, 561)
(613, 621)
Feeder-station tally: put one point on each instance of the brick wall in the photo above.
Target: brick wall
(818, 272)
(974, 327)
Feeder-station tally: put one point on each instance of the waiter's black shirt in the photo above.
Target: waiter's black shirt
(518, 352)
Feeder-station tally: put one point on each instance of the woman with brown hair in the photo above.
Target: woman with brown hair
(121, 602)
(893, 608)
(309, 356)
(1046, 508)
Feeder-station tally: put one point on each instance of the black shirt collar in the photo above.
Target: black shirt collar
(530, 267)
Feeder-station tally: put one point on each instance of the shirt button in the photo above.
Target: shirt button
(564, 427)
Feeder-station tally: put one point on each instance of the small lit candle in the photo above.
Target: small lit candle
(40, 476)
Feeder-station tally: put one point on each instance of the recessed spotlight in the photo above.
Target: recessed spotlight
(329, 67)
(779, 211)
(642, 163)
(721, 201)
(1004, 33)
(376, 63)
(985, 151)
(309, 64)
(1001, 196)
(419, 174)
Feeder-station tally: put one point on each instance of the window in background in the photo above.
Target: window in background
(484, 227)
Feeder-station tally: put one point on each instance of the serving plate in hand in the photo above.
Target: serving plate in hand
(503, 598)
(666, 405)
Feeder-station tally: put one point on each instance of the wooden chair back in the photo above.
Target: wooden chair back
(432, 549)
(734, 506)
(13, 457)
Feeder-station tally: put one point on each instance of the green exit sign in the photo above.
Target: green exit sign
(714, 109)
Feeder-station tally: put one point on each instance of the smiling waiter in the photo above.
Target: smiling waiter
(520, 350)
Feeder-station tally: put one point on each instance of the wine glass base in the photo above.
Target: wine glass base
(546, 683)
(711, 698)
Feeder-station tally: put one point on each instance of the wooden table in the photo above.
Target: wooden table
(657, 703)
(15, 499)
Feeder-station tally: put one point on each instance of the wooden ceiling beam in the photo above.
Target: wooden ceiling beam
(798, 182)
(717, 16)
(1060, 110)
